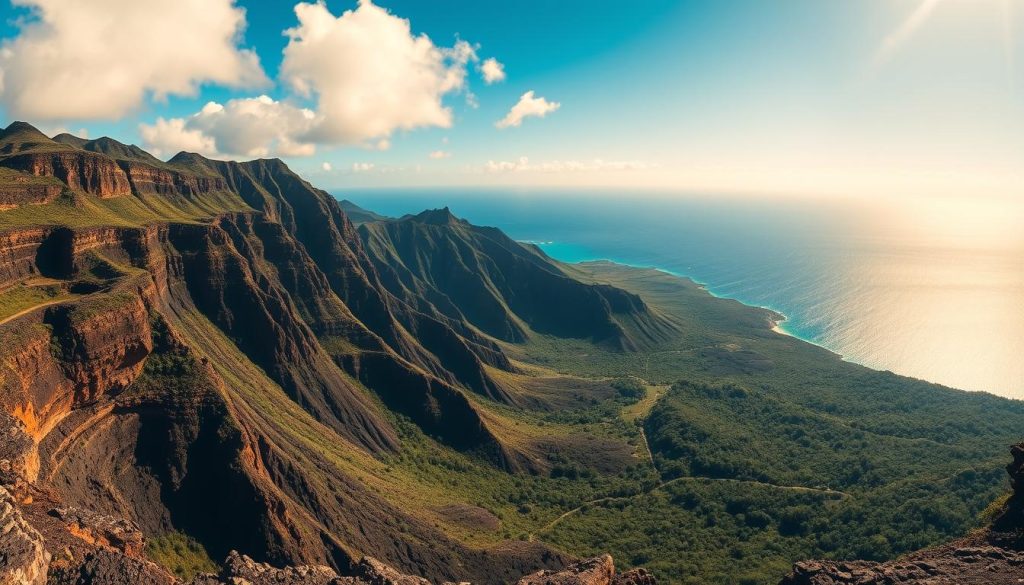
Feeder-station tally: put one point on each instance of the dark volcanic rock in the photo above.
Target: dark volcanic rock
(102, 530)
(635, 577)
(957, 564)
(108, 567)
(239, 566)
(373, 572)
(596, 571)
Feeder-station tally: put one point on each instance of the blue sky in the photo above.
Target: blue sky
(854, 97)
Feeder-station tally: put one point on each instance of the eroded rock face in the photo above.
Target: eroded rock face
(148, 179)
(102, 530)
(16, 194)
(953, 565)
(373, 572)
(23, 558)
(109, 567)
(240, 569)
(596, 571)
(81, 171)
(239, 566)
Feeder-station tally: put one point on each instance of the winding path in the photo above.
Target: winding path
(662, 484)
(32, 308)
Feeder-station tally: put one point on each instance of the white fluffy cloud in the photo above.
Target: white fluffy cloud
(362, 167)
(523, 164)
(369, 73)
(526, 107)
(492, 71)
(247, 128)
(101, 59)
(167, 137)
(440, 154)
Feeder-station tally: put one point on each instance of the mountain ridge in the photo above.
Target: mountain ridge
(213, 286)
(208, 356)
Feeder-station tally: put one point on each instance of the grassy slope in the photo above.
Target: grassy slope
(81, 211)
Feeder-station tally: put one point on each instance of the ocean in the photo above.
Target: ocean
(933, 290)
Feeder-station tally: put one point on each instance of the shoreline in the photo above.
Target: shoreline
(777, 324)
(776, 318)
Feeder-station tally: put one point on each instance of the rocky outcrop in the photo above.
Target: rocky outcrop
(369, 571)
(960, 564)
(102, 530)
(239, 568)
(23, 558)
(595, 571)
(17, 190)
(146, 179)
(109, 567)
(81, 171)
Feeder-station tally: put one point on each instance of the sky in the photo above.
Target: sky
(862, 98)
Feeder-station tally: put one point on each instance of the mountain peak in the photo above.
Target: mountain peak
(18, 127)
(118, 150)
(22, 136)
(443, 216)
(70, 140)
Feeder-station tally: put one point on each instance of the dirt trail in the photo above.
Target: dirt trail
(641, 414)
(30, 309)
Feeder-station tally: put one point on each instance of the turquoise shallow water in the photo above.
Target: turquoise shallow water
(892, 290)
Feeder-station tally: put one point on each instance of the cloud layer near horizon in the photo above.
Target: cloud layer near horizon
(73, 61)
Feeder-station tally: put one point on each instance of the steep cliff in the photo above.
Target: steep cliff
(445, 266)
(207, 348)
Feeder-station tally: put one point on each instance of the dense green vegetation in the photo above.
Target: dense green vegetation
(802, 456)
(180, 554)
(753, 483)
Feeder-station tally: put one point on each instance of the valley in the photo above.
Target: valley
(216, 355)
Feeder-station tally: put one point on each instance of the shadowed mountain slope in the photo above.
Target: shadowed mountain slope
(205, 347)
(446, 266)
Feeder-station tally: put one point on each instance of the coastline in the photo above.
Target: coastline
(776, 318)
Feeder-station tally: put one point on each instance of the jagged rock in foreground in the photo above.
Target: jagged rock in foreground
(956, 564)
(23, 559)
(369, 571)
(110, 567)
(596, 571)
(992, 556)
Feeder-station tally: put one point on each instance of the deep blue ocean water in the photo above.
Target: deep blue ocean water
(892, 290)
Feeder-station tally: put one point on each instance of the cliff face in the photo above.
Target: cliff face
(87, 173)
(240, 375)
(453, 270)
